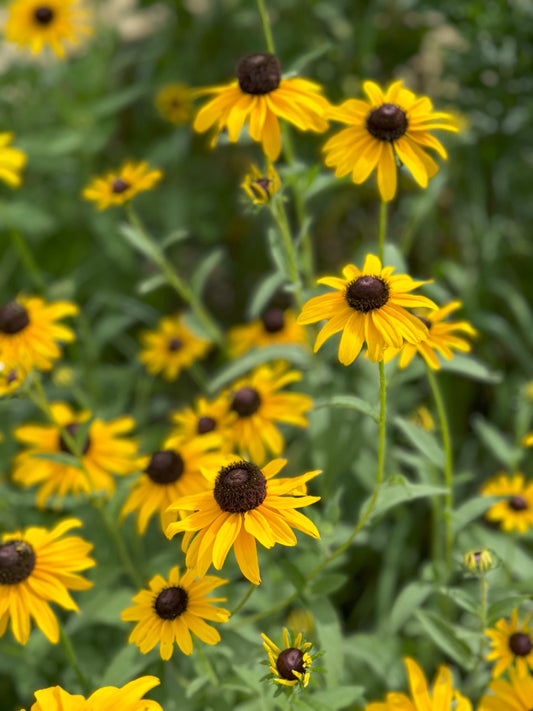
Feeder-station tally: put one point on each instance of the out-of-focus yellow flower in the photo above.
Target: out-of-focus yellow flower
(479, 562)
(511, 645)
(63, 376)
(174, 103)
(118, 187)
(299, 620)
(12, 161)
(260, 187)
(423, 418)
(515, 510)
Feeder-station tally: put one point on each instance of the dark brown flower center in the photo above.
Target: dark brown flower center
(367, 293)
(72, 429)
(119, 185)
(175, 344)
(165, 467)
(264, 184)
(425, 321)
(289, 661)
(387, 123)
(520, 644)
(240, 487)
(171, 602)
(518, 503)
(246, 401)
(44, 14)
(17, 561)
(273, 320)
(13, 318)
(12, 376)
(259, 73)
(205, 425)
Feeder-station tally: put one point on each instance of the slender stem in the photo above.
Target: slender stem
(71, 656)
(280, 216)
(244, 600)
(382, 228)
(122, 551)
(483, 590)
(28, 260)
(448, 465)
(208, 667)
(266, 26)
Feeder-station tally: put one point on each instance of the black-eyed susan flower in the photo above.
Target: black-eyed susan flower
(511, 645)
(244, 503)
(171, 347)
(55, 23)
(11, 377)
(30, 331)
(108, 698)
(291, 665)
(205, 417)
(171, 609)
(259, 187)
(260, 403)
(395, 124)
(442, 696)
(106, 449)
(174, 103)
(368, 306)
(119, 187)
(12, 161)
(515, 511)
(478, 562)
(275, 326)
(261, 97)
(513, 695)
(39, 566)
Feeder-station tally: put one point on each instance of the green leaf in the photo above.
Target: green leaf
(470, 510)
(264, 292)
(203, 270)
(277, 251)
(425, 442)
(138, 241)
(328, 584)
(127, 664)
(504, 607)
(350, 402)
(174, 237)
(113, 103)
(397, 490)
(471, 368)
(409, 600)
(151, 283)
(445, 637)
(331, 639)
(58, 458)
(340, 697)
(461, 598)
(508, 455)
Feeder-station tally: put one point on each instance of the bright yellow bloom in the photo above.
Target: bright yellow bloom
(289, 666)
(38, 568)
(261, 97)
(515, 512)
(56, 23)
(479, 562)
(511, 645)
(118, 187)
(105, 451)
(30, 332)
(171, 609)
(171, 347)
(275, 326)
(12, 161)
(174, 103)
(244, 503)
(441, 699)
(260, 187)
(527, 440)
(204, 418)
(368, 305)
(108, 698)
(394, 125)
(11, 377)
(516, 695)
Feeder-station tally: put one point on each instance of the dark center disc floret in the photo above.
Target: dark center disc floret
(72, 429)
(119, 185)
(205, 425)
(273, 320)
(44, 14)
(520, 644)
(175, 344)
(289, 661)
(367, 293)
(246, 401)
(259, 73)
(240, 487)
(13, 318)
(387, 123)
(165, 467)
(518, 503)
(17, 561)
(171, 602)
(425, 321)
(263, 184)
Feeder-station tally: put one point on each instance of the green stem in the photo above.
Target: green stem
(122, 551)
(244, 600)
(278, 212)
(266, 26)
(71, 656)
(208, 667)
(382, 228)
(28, 260)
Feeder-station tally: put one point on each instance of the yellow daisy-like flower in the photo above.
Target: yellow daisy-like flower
(259, 404)
(171, 347)
(108, 698)
(393, 124)
(174, 103)
(275, 326)
(527, 440)
(442, 696)
(171, 609)
(30, 332)
(54, 23)
(261, 97)
(368, 306)
(206, 417)
(36, 568)
(118, 187)
(479, 562)
(105, 451)
(168, 474)
(290, 666)
(11, 377)
(12, 161)
(259, 187)
(515, 512)
(511, 645)
(516, 695)
(441, 338)
(243, 504)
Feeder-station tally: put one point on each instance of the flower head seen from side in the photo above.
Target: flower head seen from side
(12, 161)
(119, 187)
(54, 23)
(442, 696)
(369, 305)
(174, 103)
(479, 562)
(513, 695)
(30, 331)
(106, 448)
(260, 188)
(395, 124)
(244, 503)
(423, 418)
(171, 347)
(515, 511)
(291, 665)
(39, 566)
(276, 325)
(11, 377)
(260, 96)
(171, 609)
(205, 417)
(511, 645)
